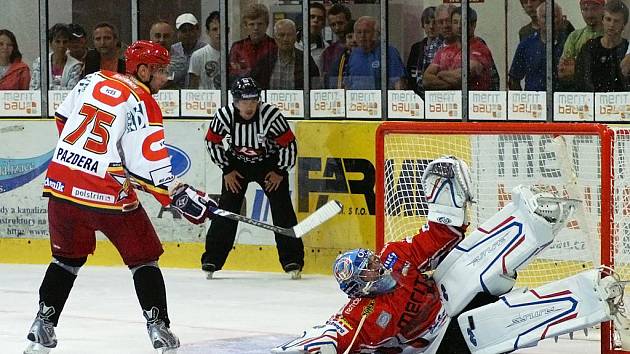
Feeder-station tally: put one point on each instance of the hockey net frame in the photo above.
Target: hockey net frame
(606, 207)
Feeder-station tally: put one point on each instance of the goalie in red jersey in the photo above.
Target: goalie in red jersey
(437, 292)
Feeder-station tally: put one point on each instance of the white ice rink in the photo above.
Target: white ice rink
(239, 312)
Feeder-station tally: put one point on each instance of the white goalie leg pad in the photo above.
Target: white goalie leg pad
(521, 319)
(488, 258)
(318, 339)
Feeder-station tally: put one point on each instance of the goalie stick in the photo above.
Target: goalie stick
(319, 217)
(576, 192)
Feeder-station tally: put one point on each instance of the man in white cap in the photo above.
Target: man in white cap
(188, 34)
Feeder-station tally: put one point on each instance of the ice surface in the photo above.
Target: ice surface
(237, 312)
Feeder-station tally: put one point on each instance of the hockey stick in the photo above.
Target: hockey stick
(575, 191)
(319, 217)
(356, 334)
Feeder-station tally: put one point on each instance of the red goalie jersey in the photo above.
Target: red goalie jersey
(111, 134)
(409, 318)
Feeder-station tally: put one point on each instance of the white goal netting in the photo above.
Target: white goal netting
(583, 161)
(569, 163)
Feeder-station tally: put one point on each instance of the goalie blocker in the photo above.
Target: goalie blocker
(446, 183)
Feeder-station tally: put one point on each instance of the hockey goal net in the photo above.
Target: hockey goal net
(577, 160)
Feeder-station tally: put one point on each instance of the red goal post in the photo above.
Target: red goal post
(579, 160)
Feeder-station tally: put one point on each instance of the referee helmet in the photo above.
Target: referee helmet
(245, 88)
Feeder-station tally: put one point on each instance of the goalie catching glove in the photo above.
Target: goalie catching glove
(447, 187)
(191, 203)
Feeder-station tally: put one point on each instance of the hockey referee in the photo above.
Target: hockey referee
(259, 147)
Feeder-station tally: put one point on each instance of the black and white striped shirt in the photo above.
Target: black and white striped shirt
(266, 136)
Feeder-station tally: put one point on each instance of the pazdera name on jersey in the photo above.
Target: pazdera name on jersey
(77, 161)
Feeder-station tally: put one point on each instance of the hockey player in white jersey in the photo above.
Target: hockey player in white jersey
(468, 304)
(112, 143)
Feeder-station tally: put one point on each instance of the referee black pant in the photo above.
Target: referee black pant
(222, 231)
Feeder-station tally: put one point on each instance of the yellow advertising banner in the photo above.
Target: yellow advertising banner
(336, 161)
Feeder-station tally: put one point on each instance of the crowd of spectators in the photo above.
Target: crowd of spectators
(593, 58)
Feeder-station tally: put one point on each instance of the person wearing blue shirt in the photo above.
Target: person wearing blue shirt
(364, 64)
(529, 61)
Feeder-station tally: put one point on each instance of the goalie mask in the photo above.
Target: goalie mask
(360, 273)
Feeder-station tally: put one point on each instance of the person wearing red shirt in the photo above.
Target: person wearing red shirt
(445, 72)
(246, 53)
(14, 74)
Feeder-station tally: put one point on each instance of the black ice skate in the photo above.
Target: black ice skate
(163, 340)
(42, 333)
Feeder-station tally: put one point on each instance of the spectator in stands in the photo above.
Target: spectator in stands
(351, 41)
(592, 13)
(625, 64)
(339, 69)
(416, 54)
(339, 16)
(64, 71)
(444, 29)
(205, 64)
(163, 33)
(188, 33)
(77, 46)
(283, 69)
(245, 53)
(530, 7)
(14, 74)
(104, 56)
(597, 68)
(364, 63)
(495, 83)
(445, 71)
(529, 61)
(317, 21)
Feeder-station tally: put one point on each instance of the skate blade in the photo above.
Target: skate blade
(167, 351)
(36, 348)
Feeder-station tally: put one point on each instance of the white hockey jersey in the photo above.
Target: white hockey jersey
(111, 138)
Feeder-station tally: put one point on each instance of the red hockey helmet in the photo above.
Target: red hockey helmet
(145, 52)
